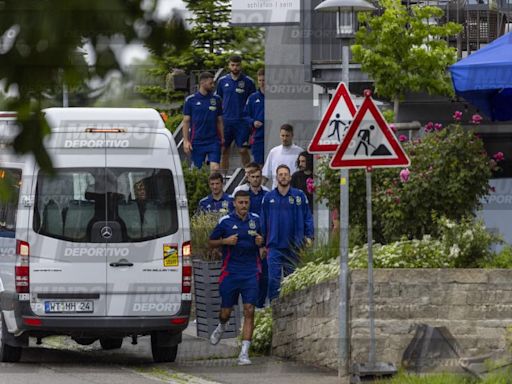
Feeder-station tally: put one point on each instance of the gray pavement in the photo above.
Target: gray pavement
(59, 360)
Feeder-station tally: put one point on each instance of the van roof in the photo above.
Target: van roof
(126, 118)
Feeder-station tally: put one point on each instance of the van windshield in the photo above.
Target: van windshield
(10, 180)
(139, 204)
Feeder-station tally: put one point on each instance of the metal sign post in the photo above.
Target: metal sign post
(368, 143)
(369, 223)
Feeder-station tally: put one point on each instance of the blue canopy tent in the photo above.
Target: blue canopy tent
(485, 78)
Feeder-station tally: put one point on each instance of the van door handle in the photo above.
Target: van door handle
(121, 263)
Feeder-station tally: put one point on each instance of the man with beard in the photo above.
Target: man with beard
(239, 235)
(286, 225)
(203, 130)
(234, 89)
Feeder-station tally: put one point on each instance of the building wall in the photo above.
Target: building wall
(288, 98)
(475, 305)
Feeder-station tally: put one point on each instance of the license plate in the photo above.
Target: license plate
(68, 306)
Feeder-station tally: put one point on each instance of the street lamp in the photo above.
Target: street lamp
(345, 30)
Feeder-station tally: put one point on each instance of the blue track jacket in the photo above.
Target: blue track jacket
(286, 220)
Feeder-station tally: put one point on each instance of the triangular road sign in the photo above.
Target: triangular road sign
(369, 142)
(334, 123)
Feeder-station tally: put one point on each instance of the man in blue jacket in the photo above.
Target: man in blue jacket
(255, 115)
(218, 200)
(239, 235)
(286, 225)
(234, 89)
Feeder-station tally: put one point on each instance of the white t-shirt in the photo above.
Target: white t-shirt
(281, 155)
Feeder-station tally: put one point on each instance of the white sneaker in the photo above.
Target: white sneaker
(216, 335)
(243, 359)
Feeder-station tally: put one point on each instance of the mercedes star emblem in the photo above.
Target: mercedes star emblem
(106, 232)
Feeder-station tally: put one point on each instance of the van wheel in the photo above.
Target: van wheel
(162, 354)
(8, 353)
(110, 343)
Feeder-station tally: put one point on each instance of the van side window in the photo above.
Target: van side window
(11, 180)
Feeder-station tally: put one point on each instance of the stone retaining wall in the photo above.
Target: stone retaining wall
(474, 304)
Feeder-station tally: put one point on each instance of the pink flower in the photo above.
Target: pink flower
(310, 185)
(438, 126)
(498, 156)
(476, 119)
(429, 126)
(404, 175)
(457, 115)
(393, 127)
(402, 138)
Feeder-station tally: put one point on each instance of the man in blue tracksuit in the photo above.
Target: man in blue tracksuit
(239, 234)
(256, 194)
(203, 131)
(234, 89)
(218, 200)
(255, 115)
(286, 225)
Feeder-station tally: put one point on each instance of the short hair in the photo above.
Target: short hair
(283, 166)
(261, 72)
(205, 76)
(287, 128)
(253, 165)
(215, 176)
(242, 193)
(235, 59)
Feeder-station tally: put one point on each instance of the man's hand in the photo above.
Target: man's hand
(187, 147)
(309, 242)
(263, 253)
(257, 124)
(231, 240)
(258, 240)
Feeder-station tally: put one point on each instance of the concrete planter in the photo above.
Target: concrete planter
(207, 300)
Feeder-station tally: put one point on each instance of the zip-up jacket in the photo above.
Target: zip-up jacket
(286, 220)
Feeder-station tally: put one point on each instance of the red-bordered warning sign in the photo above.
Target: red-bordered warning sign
(334, 123)
(369, 142)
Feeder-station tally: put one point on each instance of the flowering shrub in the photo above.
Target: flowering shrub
(463, 244)
(448, 175)
(262, 335)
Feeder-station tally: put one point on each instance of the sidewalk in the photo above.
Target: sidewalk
(219, 364)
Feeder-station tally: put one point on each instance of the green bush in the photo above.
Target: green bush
(449, 174)
(503, 259)
(201, 226)
(310, 274)
(196, 183)
(262, 335)
(460, 245)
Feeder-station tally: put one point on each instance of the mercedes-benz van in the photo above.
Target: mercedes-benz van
(98, 249)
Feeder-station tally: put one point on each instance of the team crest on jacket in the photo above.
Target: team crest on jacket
(252, 224)
(298, 199)
(213, 101)
(291, 199)
(241, 84)
(225, 204)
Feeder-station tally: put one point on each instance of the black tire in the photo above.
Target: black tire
(162, 354)
(8, 353)
(111, 343)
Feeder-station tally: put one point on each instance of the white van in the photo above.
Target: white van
(100, 249)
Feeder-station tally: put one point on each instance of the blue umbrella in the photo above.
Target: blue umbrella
(485, 78)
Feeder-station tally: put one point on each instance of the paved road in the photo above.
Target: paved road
(59, 360)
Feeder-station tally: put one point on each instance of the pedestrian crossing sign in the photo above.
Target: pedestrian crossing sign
(369, 142)
(334, 123)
